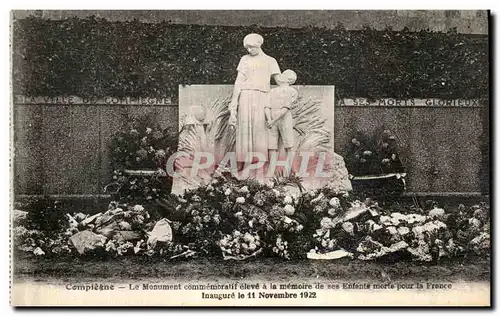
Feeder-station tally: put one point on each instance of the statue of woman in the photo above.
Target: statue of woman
(247, 116)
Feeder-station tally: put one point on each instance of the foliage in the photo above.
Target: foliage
(46, 215)
(135, 59)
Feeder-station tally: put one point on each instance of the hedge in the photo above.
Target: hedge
(96, 57)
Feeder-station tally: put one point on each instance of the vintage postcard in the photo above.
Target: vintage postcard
(250, 158)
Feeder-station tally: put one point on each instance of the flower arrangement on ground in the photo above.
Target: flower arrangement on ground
(239, 220)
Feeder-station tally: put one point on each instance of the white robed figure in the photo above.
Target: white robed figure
(247, 117)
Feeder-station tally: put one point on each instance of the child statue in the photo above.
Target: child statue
(278, 116)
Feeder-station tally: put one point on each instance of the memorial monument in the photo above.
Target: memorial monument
(251, 130)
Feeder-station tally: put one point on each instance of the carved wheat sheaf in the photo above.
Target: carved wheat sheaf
(313, 134)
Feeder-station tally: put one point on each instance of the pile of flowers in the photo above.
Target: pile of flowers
(237, 220)
(371, 232)
(116, 231)
(472, 227)
(39, 243)
(201, 227)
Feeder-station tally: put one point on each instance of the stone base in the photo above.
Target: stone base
(340, 176)
(337, 180)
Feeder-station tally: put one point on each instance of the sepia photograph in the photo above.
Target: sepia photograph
(319, 158)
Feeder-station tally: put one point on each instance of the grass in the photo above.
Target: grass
(63, 269)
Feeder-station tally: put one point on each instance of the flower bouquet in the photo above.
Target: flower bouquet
(374, 155)
(375, 165)
(139, 155)
(238, 246)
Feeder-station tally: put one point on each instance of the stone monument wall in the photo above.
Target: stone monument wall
(445, 143)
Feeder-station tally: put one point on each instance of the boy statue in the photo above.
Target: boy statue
(279, 119)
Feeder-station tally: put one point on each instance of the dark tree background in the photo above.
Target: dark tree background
(96, 57)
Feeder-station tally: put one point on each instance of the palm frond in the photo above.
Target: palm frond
(307, 115)
(217, 116)
(218, 133)
(314, 141)
(280, 179)
(188, 140)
